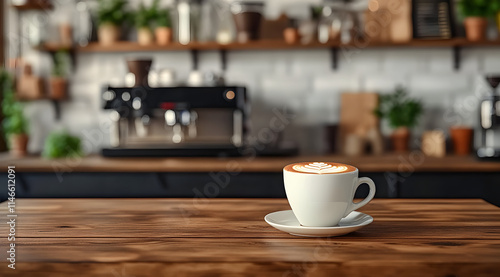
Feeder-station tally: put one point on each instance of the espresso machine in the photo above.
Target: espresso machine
(176, 121)
(490, 122)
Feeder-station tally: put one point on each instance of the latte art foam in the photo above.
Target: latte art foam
(319, 168)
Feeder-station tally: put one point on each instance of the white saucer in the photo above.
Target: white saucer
(287, 222)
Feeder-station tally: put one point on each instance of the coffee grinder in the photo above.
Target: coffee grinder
(489, 112)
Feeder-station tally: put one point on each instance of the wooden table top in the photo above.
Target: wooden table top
(413, 162)
(187, 237)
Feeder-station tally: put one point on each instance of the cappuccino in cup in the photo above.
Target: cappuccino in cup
(321, 193)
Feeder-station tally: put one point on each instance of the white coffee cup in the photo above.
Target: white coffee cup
(322, 193)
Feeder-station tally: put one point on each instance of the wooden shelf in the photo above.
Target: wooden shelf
(456, 42)
(128, 46)
(53, 47)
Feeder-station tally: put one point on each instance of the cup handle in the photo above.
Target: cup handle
(355, 206)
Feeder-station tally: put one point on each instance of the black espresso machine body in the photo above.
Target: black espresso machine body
(176, 121)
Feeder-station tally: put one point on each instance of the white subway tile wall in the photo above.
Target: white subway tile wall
(385, 83)
(337, 82)
(314, 63)
(440, 60)
(311, 92)
(359, 60)
(471, 61)
(440, 82)
(406, 60)
(491, 59)
(300, 80)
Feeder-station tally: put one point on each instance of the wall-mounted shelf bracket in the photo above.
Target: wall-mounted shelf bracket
(334, 51)
(72, 55)
(57, 108)
(223, 59)
(195, 58)
(457, 57)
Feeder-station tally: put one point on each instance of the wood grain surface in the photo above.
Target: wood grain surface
(279, 44)
(412, 162)
(228, 237)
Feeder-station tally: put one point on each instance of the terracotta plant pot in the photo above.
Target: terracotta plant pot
(58, 88)
(140, 69)
(29, 86)
(163, 35)
(400, 139)
(66, 34)
(145, 36)
(475, 28)
(18, 144)
(291, 35)
(462, 139)
(108, 34)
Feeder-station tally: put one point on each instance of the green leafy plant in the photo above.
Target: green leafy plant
(144, 16)
(399, 109)
(316, 12)
(61, 61)
(62, 144)
(14, 121)
(163, 18)
(479, 8)
(112, 12)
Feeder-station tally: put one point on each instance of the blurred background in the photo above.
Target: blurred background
(101, 96)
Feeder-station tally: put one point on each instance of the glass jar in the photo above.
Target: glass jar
(188, 19)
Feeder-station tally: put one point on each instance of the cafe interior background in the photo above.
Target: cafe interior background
(254, 85)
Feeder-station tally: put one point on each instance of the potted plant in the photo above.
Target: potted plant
(143, 19)
(476, 14)
(402, 112)
(291, 33)
(58, 81)
(496, 7)
(61, 145)
(15, 124)
(110, 16)
(462, 137)
(163, 31)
